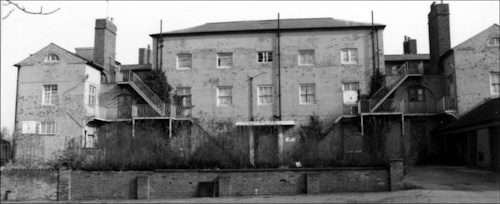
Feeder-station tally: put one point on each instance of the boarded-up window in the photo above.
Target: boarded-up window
(184, 61)
(224, 60)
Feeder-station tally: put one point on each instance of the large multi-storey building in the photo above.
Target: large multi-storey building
(270, 73)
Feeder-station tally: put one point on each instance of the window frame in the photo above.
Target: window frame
(348, 51)
(51, 58)
(223, 55)
(41, 126)
(226, 127)
(219, 96)
(495, 40)
(417, 94)
(185, 96)
(267, 57)
(51, 93)
(271, 95)
(92, 96)
(307, 94)
(497, 83)
(306, 53)
(179, 56)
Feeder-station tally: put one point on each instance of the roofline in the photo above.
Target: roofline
(367, 27)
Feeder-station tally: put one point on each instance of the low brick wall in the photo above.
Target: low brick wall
(29, 185)
(164, 184)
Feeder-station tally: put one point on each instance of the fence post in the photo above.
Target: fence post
(64, 185)
(143, 187)
(225, 185)
(312, 182)
(396, 173)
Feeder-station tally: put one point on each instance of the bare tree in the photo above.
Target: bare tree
(21, 8)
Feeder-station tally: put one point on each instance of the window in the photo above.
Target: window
(222, 127)
(493, 42)
(265, 56)
(46, 128)
(306, 57)
(495, 83)
(416, 94)
(185, 94)
(52, 58)
(307, 94)
(349, 56)
(92, 95)
(49, 96)
(225, 96)
(350, 92)
(224, 60)
(184, 61)
(265, 95)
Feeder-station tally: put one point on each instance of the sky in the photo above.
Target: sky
(73, 25)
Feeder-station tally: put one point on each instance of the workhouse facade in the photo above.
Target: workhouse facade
(271, 73)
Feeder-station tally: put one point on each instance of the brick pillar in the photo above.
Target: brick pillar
(312, 182)
(143, 187)
(64, 185)
(224, 185)
(396, 174)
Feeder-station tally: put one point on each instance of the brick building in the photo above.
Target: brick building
(63, 98)
(271, 73)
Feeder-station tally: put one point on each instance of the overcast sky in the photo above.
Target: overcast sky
(73, 25)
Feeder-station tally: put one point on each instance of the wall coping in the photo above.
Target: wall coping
(270, 170)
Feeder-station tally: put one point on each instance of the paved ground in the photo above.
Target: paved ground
(438, 184)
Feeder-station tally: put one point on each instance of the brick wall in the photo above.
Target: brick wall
(104, 185)
(29, 185)
(82, 185)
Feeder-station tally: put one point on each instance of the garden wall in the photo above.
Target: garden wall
(164, 184)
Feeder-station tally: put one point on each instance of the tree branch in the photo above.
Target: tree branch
(8, 14)
(9, 2)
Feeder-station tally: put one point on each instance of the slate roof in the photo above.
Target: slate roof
(267, 25)
(487, 112)
(407, 57)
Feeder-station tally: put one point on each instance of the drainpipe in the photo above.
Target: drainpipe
(279, 69)
(373, 45)
(14, 135)
(251, 137)
(161, 45)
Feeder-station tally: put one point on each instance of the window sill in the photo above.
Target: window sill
(47, 134)
(224, 106)
(183, 68)
(224, 67)
(49, 105)
(265, 104)
(307, 104)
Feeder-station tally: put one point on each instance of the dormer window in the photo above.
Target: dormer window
(493, 42)
(52, 58)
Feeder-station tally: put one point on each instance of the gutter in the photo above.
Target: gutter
(201, 33)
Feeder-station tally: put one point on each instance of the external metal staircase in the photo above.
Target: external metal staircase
(131, 79)
(393, 82)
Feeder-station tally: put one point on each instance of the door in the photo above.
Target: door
(124, 106)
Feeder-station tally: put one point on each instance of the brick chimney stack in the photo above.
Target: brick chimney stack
(439, 32)
(105, 44)
(410, 46)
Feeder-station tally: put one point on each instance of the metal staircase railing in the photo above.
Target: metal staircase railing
(393, 82)
(145, 92)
